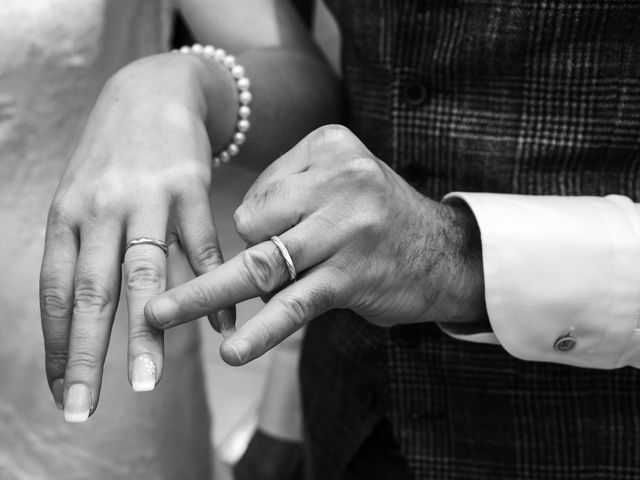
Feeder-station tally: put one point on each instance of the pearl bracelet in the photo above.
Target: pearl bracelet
(244, 97)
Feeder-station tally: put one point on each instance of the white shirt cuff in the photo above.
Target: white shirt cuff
(562, 277)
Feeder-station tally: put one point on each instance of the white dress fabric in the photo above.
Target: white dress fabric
(55, 56)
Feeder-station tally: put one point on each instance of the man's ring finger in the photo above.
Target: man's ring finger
(287, 258)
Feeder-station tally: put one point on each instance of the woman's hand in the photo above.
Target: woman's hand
(360, 238)
(142, 169)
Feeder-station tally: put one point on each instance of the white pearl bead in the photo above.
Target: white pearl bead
(237, 71)
(220, 55)
(244, 111)
(245, 97)
(243, 83)
(243, 125)
(229, 61)
(233, 149)
(208, 51)
(239, 138)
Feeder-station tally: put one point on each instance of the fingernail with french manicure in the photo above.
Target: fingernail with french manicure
(226, 323)
(77, 403)
(57, 388)
(143, 375)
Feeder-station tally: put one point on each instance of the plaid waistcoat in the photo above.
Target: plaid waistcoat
(519, 96)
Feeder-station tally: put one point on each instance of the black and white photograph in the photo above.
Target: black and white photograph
(320, 239)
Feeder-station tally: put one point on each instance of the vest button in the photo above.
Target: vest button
(564, 344)
(415, 94)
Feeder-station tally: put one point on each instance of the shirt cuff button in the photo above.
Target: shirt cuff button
(564, 344)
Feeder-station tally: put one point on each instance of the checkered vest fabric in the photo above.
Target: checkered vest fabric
(515, 96)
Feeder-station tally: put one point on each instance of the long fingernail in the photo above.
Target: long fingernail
(77, 403)
(226, 323)
(143, 375)
(57, 388)
(241, 348)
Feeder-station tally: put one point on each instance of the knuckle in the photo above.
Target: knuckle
(242, 222)
(91, 296)
(296, 309)
(372, 195)
(322, 299)
(144, 275)
(365, 170)
(55, 302)
(195, 171)
(61, 228)
(144, 334)
(189, 176)
(59, 213)
(56, 359)
(206, 257)
(274, 189)
(84, 360)
(201, 299)
(302, 309)
(334, 134)
(107, 197)
(371, 224)
(261, 270)
(344, 277)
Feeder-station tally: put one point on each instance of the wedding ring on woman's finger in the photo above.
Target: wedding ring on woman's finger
(286, 257)
(148, 241)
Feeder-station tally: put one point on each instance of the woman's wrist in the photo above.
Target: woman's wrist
(220, 96)
(188, 82)
(220, 57)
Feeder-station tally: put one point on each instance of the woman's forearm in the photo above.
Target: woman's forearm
(294, 88)
(293, 93)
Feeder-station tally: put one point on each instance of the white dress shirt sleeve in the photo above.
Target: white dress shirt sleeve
(562, 277)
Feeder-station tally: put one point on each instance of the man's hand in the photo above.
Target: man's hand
(360, 238)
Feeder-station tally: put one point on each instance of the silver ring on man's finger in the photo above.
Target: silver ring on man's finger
(148, 241)
(287, 258)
